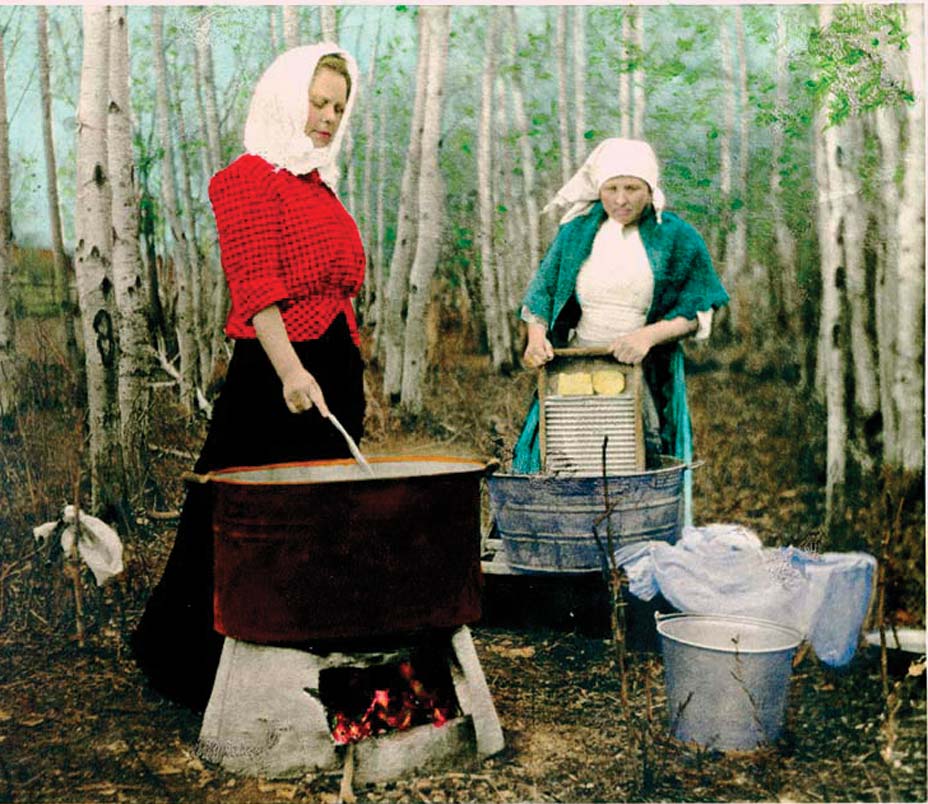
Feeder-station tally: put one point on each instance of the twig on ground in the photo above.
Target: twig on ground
(346, 790)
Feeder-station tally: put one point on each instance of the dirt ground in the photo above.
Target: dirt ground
(77, 724)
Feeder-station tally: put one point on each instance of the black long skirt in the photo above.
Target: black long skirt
(175, 644)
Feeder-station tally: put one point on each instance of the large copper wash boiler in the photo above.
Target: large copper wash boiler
(323, 550)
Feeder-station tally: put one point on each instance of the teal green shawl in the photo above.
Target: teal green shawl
(684, 283)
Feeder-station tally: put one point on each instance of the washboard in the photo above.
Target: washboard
(585, 395)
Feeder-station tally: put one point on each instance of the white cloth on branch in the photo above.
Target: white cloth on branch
(98, 545)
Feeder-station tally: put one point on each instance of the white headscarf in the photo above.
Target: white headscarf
(279, 107)
(612, 157)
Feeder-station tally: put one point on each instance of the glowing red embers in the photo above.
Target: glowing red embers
(367, 702)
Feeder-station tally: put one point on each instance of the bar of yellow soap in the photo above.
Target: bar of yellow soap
(575, 384)
(608, 383)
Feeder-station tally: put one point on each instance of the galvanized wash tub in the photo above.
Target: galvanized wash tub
(727, 678)
(323, 550)
(546, 522)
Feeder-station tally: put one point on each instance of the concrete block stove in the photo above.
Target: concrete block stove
(268, 714)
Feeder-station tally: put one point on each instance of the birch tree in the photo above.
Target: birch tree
(8, 383)
(328, 23)
(736, 249)
(381, 225)
(128, 274)
(625, 86)
(560, 57)
(372, 285)
(828, 178)
(909, 383)
(60, 260)
(291, 26)
(407, 229)
(580, 82)
(93, 261)
(431, 209)
(186, 315)
(638, 77)
(525, 147)
(485, 139)
(726, 135)
(784, 277)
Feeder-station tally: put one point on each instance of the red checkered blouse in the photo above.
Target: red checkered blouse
(285, 240)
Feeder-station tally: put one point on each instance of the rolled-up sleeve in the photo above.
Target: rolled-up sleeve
(248, 222)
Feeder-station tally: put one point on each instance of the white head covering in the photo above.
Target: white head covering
(279, 107)
(612, 157)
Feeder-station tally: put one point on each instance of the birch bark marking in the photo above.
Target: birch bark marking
(8, 385)
(431, 210)
(560, 55)
(93, 225)
(186, 331)
(625, 86)
(828, 178)
(407, 225)
(909, 385)
(579, 18)
(528, 156)
(485, 139)
(638, 88)
(128, 275)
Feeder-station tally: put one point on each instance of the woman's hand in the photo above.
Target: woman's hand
(633, 347)
(301, 392)
(539, 350)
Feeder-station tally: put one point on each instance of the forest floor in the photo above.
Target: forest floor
(78, 724)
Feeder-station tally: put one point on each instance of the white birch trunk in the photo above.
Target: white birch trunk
(625, 79)
(328, 23)
(93, 225)
(273, 28)
(580, 82)
(909, 381)
(527, 153)
(784, 284)
(886, 123)
(505, 252)
(431, 210)
(831, 325)
(726, 135)
(407, 230)
(563, 108)
(638, 79)
(379, 261)
(128, 274)
(736, 251)
(63, 294)
(207, 82)
(486, 207)
(866, 391)
(291, 26)
(371, 286)
(9, 394)
(186, 313)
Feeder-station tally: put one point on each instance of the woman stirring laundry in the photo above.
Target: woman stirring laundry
(293, 260)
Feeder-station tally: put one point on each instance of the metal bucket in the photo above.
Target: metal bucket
(547, 523)
(727, 678)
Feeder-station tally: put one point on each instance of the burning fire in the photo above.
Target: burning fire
(393, 710)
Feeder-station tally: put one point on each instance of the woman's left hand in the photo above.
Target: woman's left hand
(633, 347)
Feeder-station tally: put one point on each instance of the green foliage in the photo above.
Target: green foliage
(852, 61)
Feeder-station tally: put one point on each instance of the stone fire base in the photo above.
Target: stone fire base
(264, 717)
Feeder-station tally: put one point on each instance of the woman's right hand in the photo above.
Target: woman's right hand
(539, 350)
(301, 392)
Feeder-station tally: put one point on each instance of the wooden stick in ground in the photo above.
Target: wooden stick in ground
(346, 791)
